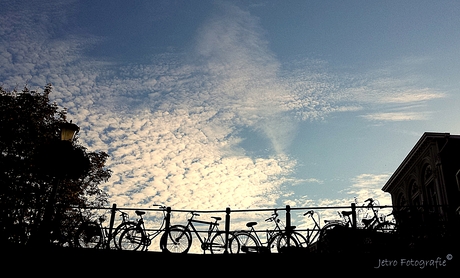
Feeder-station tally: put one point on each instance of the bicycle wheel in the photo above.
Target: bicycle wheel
(294, 240)
(218, 243)
(133, 239)
(244, 242)
(178, 240)
(116, 234)
(301, 240)
(89, 235)
(329, 238)
(275, 243)
(329, 227)
(312, 237)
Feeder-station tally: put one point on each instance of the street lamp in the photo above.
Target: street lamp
(68, 131)
(51, 156)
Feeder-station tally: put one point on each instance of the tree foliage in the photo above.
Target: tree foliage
(33, 161)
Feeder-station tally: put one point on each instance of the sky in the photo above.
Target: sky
(204, 105)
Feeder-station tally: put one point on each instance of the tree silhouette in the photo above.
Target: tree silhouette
(38, 170)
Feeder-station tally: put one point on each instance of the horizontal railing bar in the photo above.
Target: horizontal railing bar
(254, 210)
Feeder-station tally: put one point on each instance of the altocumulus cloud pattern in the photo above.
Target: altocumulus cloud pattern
(217, 118)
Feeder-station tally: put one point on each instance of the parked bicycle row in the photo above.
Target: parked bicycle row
(133, 234)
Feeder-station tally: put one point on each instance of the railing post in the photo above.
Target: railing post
(168, 220)
(112, 221)
(167, 229)
(227, 229)
(353, 215)
(288, 225)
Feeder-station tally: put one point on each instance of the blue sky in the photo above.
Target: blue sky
(242, 104)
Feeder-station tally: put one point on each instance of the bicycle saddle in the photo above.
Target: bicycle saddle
(347, 213)
(333, 221)
(139, 212)
(217, 218)
(250, 224)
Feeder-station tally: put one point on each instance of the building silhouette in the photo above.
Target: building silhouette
(425, 188)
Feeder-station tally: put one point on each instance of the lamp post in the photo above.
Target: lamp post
(61, 148)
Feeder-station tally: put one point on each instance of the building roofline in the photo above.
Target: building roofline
(425, 137)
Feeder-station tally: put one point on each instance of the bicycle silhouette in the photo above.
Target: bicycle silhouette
(314, 234)
(92, 234)
(376, 222)
(137, 238)
(317, 234)
(179, 239)
(277, 239)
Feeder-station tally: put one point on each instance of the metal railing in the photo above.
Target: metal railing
(291, 215)
(228, 212)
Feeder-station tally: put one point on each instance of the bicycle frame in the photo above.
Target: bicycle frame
(271, 235)
(212, 229)
(313, 234)
(374, 221)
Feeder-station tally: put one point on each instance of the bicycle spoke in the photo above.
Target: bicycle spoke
(89, 235)
(132, 239)
(287, 241)
(245, 243)
(119, 230)
(218, 243)
(178, 240)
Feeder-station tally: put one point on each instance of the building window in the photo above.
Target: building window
(401, 202)
(457, 176)
(431, 197)
(414, 191)
(427, 173)
(432, 194)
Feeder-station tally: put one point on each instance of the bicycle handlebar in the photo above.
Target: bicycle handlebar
(163, 207)
(193, 214)
(310, 212)
(273, 217)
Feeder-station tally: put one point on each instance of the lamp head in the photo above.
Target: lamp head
(68, 131)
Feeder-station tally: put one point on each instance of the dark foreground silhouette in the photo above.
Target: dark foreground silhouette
(58, 261)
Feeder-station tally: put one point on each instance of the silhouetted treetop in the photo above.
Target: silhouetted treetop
(33, 159)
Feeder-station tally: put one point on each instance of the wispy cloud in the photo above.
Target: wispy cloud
(412, 95)
(391, 97)
(397, 116)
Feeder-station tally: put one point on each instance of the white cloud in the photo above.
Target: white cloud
(168, 157)
(412, 96)
(390, 98)
(397, 116)
(370, 186)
